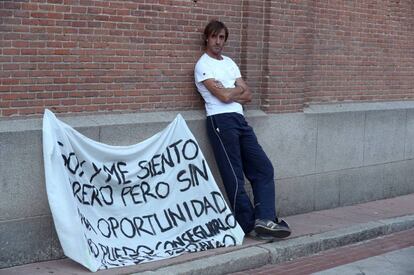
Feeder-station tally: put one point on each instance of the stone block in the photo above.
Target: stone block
(290, 142)
(361, 184)
(22, 175)
(340, 141)
(384, 136)
(295, 195)
(25, 241)
(398, 178)
(56, 248)
(326, 191)
(409, 136)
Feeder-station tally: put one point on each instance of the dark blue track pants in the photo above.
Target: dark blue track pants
(239, 154)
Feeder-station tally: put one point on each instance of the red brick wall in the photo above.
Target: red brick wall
(288, 34)
(100, 56)
(88, 56)
(362, 51)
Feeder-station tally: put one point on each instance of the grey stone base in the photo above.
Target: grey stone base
(322, 160)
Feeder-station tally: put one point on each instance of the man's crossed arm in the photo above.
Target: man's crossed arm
(241, 93)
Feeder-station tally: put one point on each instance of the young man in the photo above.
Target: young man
(234, 143)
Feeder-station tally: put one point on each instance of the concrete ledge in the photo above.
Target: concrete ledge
(279, 252)
(219, 264)
(357, 107)
(94, 120)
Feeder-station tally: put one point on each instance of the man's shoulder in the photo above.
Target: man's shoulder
(203, 58)
(229, 60)
(203, 62)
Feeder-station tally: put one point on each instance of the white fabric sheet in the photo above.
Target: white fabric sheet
(120, 205)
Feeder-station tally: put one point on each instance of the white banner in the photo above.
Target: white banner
(120, 205)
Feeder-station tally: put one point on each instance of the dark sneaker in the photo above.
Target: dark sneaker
(278, 229)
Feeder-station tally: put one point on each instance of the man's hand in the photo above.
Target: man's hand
(246, 96)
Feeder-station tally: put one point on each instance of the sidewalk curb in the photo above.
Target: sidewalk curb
(282, 251)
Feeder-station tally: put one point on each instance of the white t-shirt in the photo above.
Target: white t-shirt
(225, 71)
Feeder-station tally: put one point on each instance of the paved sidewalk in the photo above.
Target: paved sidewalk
(390, 254)
(312, 233)
(397, 262)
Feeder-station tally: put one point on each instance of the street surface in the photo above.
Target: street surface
(389, 255)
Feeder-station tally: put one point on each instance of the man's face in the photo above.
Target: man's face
(215, 43)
